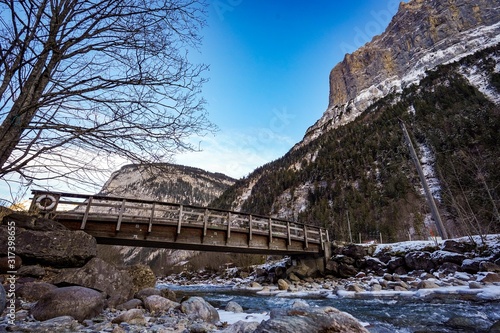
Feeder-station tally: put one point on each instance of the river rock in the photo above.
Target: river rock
(448, 268)
(131, 304)
(241, 327)
(374, 265)
(255, 285)
(440, 257)
(282, 284)
(419, 260)
(299, 304)
(61, 324)
(311, 320)
(475, 285)
(78, 302)
(198, 308)
(307, 267)
(471, 265)
(331, 267)
(168, 294)
(394, 263)
(142, 277)
(457, 247)
(33, 291)
(143, 293)
(468, 324)
(5, 263)
(495, 328)
(59, 248)
(100, 275)
(486, 266)
(355, 251)
(30, 222)
(346, 271)
(489, 278)
(132, 316)
(3, 299)
(158, 304)
(427, 284)
(233, 307)
(36, 271)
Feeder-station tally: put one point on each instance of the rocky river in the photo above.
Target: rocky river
(417, 287)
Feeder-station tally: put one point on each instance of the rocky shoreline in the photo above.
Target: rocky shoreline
(99, 297)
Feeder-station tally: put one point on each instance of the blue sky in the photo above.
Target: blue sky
(269, 73)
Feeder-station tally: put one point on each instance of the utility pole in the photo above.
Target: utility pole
(430, 200)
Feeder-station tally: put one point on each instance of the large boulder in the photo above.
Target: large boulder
(99, 275)
(311, 320)
(305, 267)
(355, 251)
(419, 260)
(198, 308)
(7, 262)
(142, 277)
(3, 298)
(143, 293)
(440, 257)
(234, 307)
(32, 222)
(78, 302)
(58, 248)
(159, 304)
(33, 291)
(241, 327)
(132, 316)
(452, 245)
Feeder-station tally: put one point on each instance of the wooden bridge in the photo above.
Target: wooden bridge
(135, 222)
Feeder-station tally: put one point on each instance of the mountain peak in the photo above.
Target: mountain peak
(421, 36)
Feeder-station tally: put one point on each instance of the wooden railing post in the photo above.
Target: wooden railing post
(249, 229)
(179, 223)
(120, 217)
(289, 236)
(321, 238)
(205, 222)
(86, 215)
(270, 223)
(151, 217)
(305, 237)
(228, 234)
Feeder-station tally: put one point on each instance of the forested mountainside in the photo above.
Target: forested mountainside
(167, 182)
(360, 175)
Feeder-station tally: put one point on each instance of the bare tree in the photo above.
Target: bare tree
(83, 80)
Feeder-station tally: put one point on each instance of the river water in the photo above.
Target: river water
(381, 315)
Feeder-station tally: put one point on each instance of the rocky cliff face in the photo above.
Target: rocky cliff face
(422, 35)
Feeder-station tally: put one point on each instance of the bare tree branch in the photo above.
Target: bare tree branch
(102, 77)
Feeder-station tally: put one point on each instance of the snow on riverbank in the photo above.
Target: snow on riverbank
(233, 317)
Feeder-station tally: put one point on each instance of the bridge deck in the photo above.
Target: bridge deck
(135, 222)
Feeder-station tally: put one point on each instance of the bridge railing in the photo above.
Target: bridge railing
(122, 209)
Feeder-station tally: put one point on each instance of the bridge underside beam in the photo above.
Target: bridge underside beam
(199, 247)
